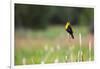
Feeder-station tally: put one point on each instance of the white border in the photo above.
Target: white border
(75, 3)
(12, 35)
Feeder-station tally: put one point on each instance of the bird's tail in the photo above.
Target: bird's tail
(72, 36)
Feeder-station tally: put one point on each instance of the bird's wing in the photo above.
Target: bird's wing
(67, 24)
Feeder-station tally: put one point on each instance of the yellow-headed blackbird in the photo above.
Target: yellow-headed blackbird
(69, 29)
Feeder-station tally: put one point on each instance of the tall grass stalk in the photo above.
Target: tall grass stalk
(32, 60)
(89, 50)
(80, 40)
(58, 47)
(42, 62)
(56, 60)
(46, 47)
(80, 56)
(24, 61)
(80, 53)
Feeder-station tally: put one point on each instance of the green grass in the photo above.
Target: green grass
(52, 32)
(33, 51)
(39, 55)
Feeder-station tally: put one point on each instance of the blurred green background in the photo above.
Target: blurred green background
(40, 35)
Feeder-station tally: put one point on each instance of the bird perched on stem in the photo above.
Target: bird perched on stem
(69, 29)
